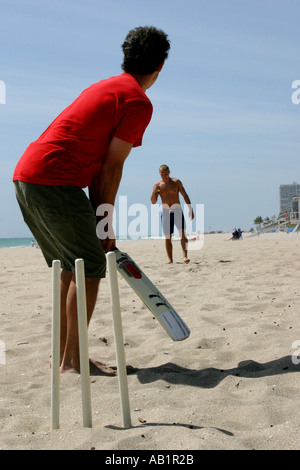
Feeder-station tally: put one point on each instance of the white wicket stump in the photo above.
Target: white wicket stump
(119, 341)
(55, 348)
(83, 344)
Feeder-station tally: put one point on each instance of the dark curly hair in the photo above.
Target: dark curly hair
(145, 49)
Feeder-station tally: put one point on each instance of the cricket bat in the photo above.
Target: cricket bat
(152, 297)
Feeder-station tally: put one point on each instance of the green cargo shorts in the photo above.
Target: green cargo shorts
(63, 223)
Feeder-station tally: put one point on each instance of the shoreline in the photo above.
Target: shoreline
(161, 238)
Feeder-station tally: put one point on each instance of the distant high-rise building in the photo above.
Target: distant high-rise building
(286, 194)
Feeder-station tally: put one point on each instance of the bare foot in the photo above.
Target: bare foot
(66, 369)
(100, 368)
(96, 368)
(186, 260)
(69, 370)
(170, 262)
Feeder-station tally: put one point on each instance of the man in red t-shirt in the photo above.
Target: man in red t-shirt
(86, 146)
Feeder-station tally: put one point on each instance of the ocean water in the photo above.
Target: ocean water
(24, 242)
(15, 242)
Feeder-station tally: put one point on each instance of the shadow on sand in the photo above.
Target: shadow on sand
(211, 377)
(208, 378)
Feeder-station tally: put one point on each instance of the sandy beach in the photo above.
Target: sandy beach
(233, 384)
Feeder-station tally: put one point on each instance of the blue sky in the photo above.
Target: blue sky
(223, 116)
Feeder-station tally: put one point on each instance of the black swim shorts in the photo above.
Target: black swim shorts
(63, 223)
(170, 218)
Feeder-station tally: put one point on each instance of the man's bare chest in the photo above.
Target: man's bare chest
(168, 188)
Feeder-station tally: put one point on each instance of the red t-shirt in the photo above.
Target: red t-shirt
(71, 150)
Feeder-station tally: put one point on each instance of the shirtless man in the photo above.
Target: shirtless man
(169, 189)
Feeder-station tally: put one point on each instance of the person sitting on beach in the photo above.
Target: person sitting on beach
(169, 189)
(235, 235)
(86, 146)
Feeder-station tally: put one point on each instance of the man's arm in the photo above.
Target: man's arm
(105, 186)
(186, 198)
(155, 193)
